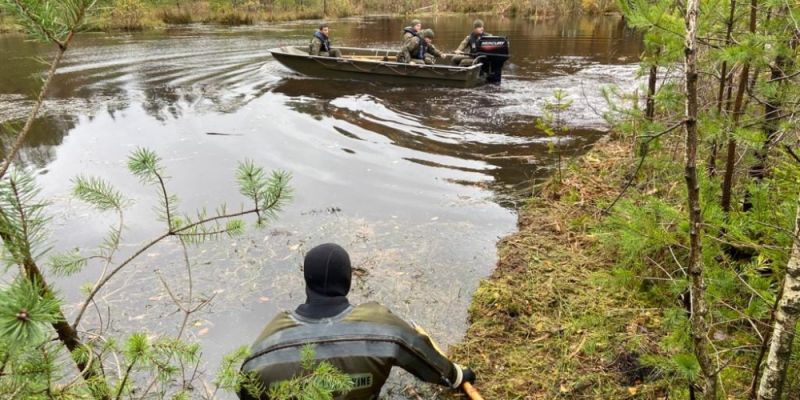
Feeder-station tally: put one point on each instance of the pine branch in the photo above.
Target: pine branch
(62, 48)
(66, 333)
(104, 280)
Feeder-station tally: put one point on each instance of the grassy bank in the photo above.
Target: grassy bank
(7, 24)
(587, 304)
(151, 14)
(544, 325)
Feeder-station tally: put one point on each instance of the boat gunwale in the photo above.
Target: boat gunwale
(378, 62)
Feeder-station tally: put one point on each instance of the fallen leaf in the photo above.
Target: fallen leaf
(632, 390)
(263, 299)
(202, 332)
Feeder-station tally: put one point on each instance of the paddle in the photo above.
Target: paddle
(471, 392)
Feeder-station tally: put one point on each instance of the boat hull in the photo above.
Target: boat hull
(377, 65)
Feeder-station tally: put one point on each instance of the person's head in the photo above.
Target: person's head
(427, 35)
(416, 25)
(325, 29)
(327, 271)
(477, 27)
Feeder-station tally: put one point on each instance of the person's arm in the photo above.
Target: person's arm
(464, 46)
(315, 46)
(433, 366)
(419, 355)
(433, 50)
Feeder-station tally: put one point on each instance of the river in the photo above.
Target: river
(418, 183)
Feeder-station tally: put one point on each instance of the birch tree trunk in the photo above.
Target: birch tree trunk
(699, 308)
(786, 317)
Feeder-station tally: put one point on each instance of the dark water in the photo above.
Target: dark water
(417, 182)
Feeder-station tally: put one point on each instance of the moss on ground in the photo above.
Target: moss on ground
(547, 323)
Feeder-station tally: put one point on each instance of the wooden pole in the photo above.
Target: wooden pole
(471, 392)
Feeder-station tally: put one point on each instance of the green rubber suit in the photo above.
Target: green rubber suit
(363, 341)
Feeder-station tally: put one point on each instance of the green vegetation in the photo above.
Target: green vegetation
(553, 124)
(321, 382)
(649, 274)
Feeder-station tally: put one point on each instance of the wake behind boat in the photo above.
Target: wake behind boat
(381, 65)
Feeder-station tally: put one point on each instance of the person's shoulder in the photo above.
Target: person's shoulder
(283, 320)
(373, 306)
(376, 313)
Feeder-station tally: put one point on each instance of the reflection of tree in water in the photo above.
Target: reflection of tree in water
(313, 107)
(160, 102)
(163, 102)
(46, 134)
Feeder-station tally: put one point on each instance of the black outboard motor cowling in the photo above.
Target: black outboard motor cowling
(493, 53)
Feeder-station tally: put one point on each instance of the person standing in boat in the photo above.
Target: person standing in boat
(420, 49)
(469, 46)
(321, 44)
(412, 30)
(364, 341)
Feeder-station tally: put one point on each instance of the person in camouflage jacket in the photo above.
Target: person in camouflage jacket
(420, 49)
(321, 44)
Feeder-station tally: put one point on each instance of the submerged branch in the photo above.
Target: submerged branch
(172, 232)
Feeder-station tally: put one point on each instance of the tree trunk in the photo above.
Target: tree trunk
(730, 161)
(723, 79)
(786, 317)
(650, 111)
(699, 326)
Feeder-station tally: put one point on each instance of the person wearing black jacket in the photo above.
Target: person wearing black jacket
(469, 46)
(364, 341)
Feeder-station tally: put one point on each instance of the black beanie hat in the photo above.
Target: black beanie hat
(327, 270)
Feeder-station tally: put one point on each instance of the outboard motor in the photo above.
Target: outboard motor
(493, 53)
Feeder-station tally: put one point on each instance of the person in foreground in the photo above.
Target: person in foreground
(419, 49)
(321, 44)
(364, 341)
(469, 46)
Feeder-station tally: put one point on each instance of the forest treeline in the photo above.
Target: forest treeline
(142, 14)
(667, 263)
